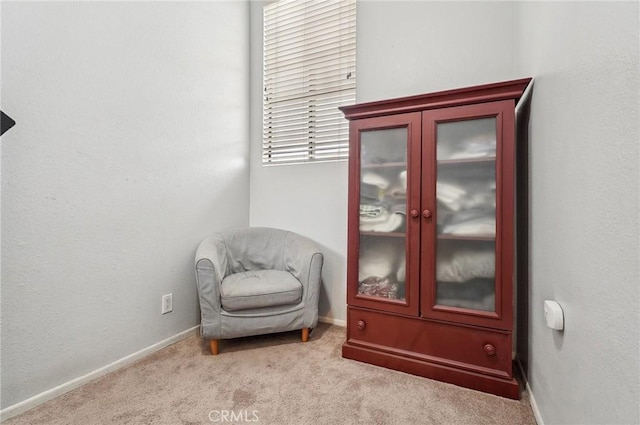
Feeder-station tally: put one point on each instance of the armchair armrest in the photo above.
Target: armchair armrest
(303, 259)
(211, 265)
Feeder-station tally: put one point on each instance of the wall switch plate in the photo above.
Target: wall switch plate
(553, 315)
(167, 303)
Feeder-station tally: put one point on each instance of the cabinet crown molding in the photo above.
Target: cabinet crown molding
(505, 90)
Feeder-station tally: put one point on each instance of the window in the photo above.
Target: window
(309, 70)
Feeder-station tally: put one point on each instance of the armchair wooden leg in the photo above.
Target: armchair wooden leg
(214, 347)
(305, 334)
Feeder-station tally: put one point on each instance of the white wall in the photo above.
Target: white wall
(403, 48)
(584, 207)
(130, 147)
(411, 47)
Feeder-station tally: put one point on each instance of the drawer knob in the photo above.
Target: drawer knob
(490, 350)
(414, 213)
(426, 213)
(361, 324)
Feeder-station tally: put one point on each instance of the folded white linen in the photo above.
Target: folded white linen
(481, 226)
(463, 264)
(368, 211)
(378, 259)
(389, 223)
(375, 179)
(450, 195)
(486, 303)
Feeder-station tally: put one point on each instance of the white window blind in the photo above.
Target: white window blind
(309, 70)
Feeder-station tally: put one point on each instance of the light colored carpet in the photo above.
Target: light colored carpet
(272, 379)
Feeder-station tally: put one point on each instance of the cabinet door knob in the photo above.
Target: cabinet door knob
(426, 213)
(361, 324)
(490, 350)
(414, 213)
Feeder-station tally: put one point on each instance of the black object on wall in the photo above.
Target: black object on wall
(6, 122)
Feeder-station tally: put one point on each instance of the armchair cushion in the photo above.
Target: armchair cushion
(259, 288)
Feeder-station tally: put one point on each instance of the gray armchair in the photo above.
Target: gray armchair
(257, 280)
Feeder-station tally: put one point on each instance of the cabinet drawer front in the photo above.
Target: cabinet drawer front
(474, 349)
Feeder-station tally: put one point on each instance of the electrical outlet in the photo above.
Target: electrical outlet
(167, 303)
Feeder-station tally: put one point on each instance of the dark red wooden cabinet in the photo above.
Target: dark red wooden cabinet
(430, 277)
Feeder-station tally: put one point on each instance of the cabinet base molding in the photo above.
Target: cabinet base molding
(508, 388)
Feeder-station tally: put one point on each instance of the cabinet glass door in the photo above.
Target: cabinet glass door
(380, 225)
(383, 211)
(466, 214)
(467, 232)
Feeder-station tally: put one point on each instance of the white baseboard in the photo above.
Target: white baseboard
(332, 321)
(45, 396)
(532, 399)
